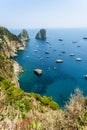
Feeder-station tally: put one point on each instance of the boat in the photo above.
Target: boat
(59, 61)
(60, 39)
(63, 51)
(85, 38)
(47, 52)
(78, 59)
(71, 54)
(85, 76)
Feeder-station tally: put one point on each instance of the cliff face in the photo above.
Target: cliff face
(9, 44)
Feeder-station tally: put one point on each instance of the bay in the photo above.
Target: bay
(58, 79)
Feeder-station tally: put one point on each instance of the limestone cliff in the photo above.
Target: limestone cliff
(9, 44)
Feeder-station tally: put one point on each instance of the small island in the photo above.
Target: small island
(41, 34)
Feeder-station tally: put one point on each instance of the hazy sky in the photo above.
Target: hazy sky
(43, 13)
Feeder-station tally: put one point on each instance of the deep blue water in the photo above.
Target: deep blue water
(58, 79)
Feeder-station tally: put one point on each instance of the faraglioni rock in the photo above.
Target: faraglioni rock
(41, 34)
(23, 36)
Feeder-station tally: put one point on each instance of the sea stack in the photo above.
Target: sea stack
(41, 34)
(23, 36)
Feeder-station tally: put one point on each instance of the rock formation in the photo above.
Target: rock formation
(41, 34)
(23, 36)
(9, 43)
(38, 71)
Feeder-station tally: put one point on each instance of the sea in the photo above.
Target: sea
(58, 80)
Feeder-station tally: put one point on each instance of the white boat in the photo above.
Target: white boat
(85, 76)
(59, 61)
(78, 59)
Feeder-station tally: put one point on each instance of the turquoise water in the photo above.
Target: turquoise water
(58, 79)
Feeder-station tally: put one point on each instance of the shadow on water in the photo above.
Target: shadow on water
(41, 84)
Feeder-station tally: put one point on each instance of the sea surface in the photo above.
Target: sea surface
(58, 80)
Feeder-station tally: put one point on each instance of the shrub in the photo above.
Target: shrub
(54, 105)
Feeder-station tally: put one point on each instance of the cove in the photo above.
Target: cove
(58, 79)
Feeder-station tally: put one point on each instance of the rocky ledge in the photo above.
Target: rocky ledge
(41, 34)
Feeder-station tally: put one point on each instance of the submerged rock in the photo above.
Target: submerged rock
(23, 36)
(38, 71)
(41, 34)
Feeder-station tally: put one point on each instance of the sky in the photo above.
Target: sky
(43, 13)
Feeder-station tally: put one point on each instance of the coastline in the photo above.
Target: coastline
(17, 68)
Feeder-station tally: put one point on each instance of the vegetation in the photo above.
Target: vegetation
(6, 68)
(30, 111)
(11, 36)
(21, 111)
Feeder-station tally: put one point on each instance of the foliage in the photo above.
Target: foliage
(4, 31)
(6, 68)
(46, 101)
(15, 96)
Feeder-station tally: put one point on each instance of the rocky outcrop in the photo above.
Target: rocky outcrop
(9, 43)
(17, 69)
(23, 36)
(38, 71)
(41, 34)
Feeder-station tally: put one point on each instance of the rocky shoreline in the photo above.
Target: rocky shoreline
(10, 44)
(17, 69)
